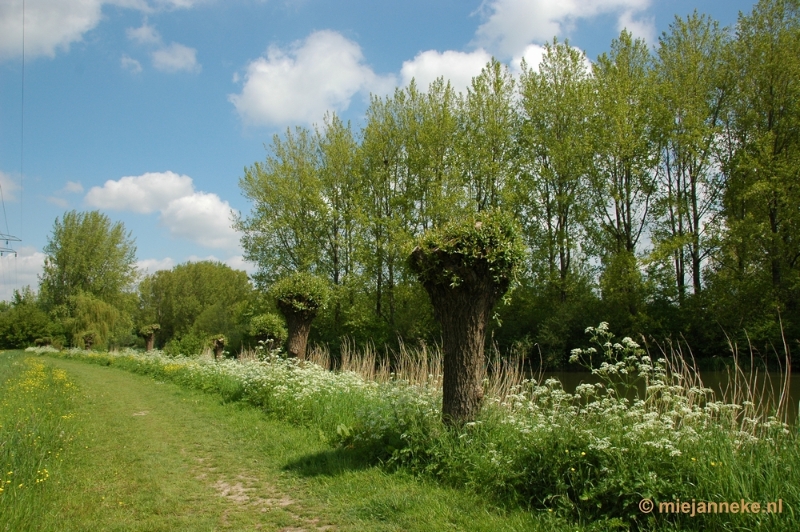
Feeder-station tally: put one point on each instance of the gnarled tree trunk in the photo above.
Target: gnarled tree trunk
(219, 347)
(463, 312)
(299, 325)
(150, 341)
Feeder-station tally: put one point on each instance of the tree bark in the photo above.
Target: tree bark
(150, 341)
(299, 325)
(219, 346)
(463, 313)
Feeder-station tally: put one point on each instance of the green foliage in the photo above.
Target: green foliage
(301, 293)
(147, 330)
(487, 240)
(189, 344)
(265, 327)
(23, 321)
(87, 319)
(88, 254)
(194, 300)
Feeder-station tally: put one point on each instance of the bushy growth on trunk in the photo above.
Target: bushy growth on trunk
(466, 267)
(299, 297)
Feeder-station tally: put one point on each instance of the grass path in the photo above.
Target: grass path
(153, 456)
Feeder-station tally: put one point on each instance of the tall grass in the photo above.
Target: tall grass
(649, 429)
(36, 404)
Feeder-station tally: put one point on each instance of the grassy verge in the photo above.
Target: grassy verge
(150, 455)
(587, 458)
(37, 404)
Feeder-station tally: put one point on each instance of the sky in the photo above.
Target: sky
(150, 110)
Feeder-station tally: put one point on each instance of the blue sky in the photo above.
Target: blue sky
(149, 110)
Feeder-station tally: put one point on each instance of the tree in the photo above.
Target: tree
(88, 254)
(624, 177)
(148, 332)
(555, 161)
(466, 267)
(23, 322)
(693, 92)
(194, 300)
(759, 248)
(485, 143)
(299, 297)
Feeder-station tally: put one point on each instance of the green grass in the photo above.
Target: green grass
(538, 458)
(148, 455)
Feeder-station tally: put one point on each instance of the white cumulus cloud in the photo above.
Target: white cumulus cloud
(457, 67)
(8, 186)
(130, 64)
(176, 58)
(52, 25)
(154, 265)
(301, 83)
(641, 28)
(143, 194)
(202, 217)
(144, 34)
(513, 24)
(198, 216)
(20, 271)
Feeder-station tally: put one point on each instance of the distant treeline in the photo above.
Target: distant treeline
(656, 189)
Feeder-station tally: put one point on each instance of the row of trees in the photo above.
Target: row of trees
(91, 295)
(655, 190)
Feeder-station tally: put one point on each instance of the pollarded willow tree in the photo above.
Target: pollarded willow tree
(299, 297)
(466, 267)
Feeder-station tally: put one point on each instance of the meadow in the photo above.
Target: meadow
(649, 431)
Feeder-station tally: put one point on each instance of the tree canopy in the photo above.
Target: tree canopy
(87, 253)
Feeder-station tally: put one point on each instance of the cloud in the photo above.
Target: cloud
(20, 271)
(154, 265)
(60, 202)
(513, 24)
(72, 188)
(130, 64)
(301, 83)
(145, 34)
(186, 213)
(142, 194)
(50, 25)
(9, 186)
(533, 55)
(642, 28)
(53, 25)
(202, 217)
(457, 67)
(235, 262)
(176, 58)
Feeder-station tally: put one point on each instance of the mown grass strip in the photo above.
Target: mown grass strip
(156, 456)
